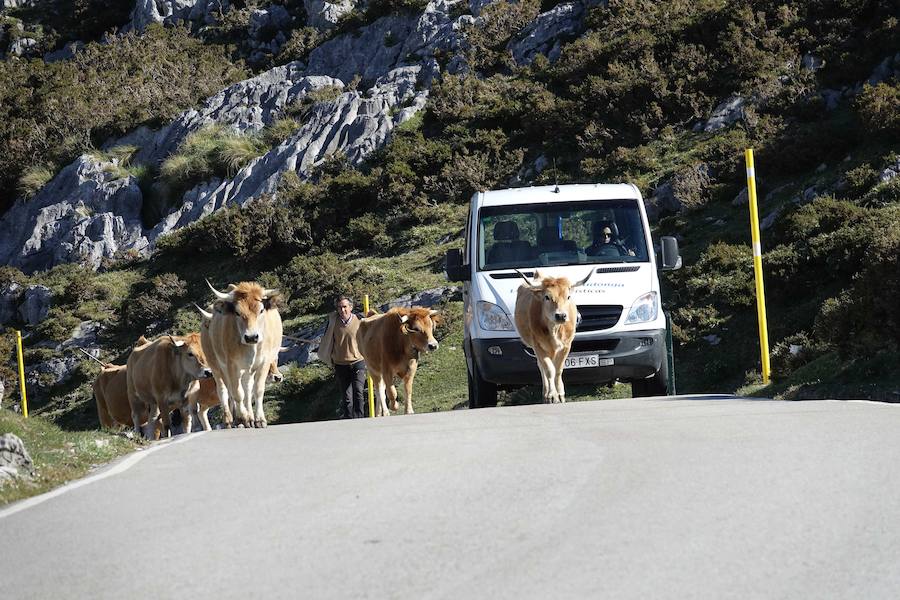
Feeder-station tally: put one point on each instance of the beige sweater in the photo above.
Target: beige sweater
(339, 345)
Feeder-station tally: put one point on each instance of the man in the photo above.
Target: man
(339, 350)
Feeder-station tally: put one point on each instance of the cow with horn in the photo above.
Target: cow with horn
(546, 317)
(241, 342)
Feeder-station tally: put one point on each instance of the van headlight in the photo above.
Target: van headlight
(492, 318)
(645, 308)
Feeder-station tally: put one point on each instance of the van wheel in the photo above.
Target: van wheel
(481, 393)
(657, 385)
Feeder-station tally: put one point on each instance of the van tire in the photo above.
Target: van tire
(656, 385)
(481, 393)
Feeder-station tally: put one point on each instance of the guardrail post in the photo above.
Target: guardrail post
(21, 373)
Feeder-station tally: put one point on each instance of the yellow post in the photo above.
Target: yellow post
(368, 378)
(21, 373)
(757, 266)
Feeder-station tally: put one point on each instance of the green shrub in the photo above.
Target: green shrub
(877, 109)
(278, 131)
(154, 301)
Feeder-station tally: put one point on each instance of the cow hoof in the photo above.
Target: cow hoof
(261, 424)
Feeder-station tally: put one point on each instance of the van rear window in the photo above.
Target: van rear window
(560, 233)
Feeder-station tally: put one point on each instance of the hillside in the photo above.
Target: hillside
(332, 147)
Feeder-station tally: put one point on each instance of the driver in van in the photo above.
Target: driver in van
(606, 242)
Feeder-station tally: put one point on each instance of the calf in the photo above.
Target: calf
(160, 374)
(546, 317)
(391, 343)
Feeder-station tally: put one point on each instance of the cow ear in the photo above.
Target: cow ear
(271, 299)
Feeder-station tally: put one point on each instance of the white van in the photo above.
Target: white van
(564, 231)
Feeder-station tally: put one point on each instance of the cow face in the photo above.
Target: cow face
(556, 297)
(246, 304)
(189, 356)
(418, 325)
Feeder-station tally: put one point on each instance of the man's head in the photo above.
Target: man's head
(344, 306)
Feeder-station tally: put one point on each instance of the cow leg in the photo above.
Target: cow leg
(548, 377)
(558, 364)
(222, 391)
(166, 419)
(381, 409)
(407, 386)
(203, 417)
(245, 398)
(392, 397)
(152, 428)
(259, 390)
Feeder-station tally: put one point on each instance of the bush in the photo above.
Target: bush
(877, 109)
(153, 301)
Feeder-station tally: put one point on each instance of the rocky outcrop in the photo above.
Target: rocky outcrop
(169, 12)
(546, 34)
(36, 304)
(86, 213)
(246, 106)
(325, 14)
(14, 458)
(90, 211)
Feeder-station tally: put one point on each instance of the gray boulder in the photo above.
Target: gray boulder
(14, 458)
(887, 174)
(36, 304)
(86, 213)
(546, 34)
(325, 14)
(147, 12)
(10, 297)
(24, 46)
(728, 112)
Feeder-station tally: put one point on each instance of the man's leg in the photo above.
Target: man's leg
(359, 390)
(344, 376)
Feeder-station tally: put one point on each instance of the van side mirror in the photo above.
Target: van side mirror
(671, 259)
(456, 270)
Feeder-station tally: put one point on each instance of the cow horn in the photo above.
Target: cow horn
(530, 282)
(177, 343)
(433, 313)
(585, 280)
(404, 318)
(206, 315)
(219, 295)
(267, 293)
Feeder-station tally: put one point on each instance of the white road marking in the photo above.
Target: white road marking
(120, 467)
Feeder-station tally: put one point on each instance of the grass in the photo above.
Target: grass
(33, 179)
(59, 456)
(213, 151)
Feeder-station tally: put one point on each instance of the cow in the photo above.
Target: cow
(159, 375)
(111, 394)
(390, 343)
(546, 318)
(241, 341)
(203, 395)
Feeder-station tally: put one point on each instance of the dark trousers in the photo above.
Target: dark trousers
(352, 384)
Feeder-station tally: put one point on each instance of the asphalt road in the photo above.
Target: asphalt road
(676, 498)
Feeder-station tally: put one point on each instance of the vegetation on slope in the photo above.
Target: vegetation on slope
(619, 104)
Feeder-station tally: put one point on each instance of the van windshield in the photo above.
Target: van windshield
(560, 233)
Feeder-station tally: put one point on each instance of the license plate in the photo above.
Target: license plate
(586, 359)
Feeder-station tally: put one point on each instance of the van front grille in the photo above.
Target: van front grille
(598, 317)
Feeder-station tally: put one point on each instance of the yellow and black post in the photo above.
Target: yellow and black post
(21, 373)
(757, 266)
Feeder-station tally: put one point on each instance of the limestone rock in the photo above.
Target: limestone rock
(546, 34)
(728, 112)
(87, 212)
(14, 458)
(36, 304)
(10, 296)
(325, 14)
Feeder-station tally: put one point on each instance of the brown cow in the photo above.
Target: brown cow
(202, 396)
(546, 318)
(111, 396)
(160, 374)
(241, 342)
(390, 344)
